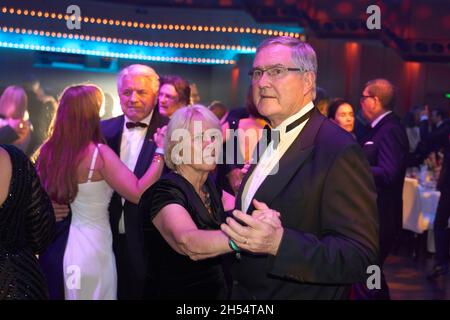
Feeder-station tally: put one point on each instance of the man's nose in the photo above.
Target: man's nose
(264, 81)
(133, 96)
(162, 98)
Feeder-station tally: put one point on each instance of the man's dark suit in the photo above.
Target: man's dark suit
(131, 259)
(386, 148)
(326, 196)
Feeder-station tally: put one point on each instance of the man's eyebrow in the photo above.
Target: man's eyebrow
(269, 66)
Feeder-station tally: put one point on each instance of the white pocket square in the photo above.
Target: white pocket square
(368, 143)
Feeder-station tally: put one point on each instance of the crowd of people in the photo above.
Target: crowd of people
(277, 200)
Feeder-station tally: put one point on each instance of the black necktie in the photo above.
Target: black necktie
(131, 125)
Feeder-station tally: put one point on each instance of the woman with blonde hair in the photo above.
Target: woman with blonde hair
(185, 211)
(13, 109)
(77, 169)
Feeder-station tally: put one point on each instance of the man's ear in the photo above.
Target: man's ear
(377, 105)
(309, 79)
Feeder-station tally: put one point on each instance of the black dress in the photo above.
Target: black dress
(26, 228)
(172, 275)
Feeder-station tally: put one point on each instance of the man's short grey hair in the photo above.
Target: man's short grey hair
(303, 54)
(139, 70)
(183, 118)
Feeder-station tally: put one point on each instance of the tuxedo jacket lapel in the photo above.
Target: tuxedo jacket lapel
(115, 136)
(148, 147)
(257, 153)
(375, 129)
(299, 152)
(238, 203)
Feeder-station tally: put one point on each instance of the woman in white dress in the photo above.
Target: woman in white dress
(77, 169)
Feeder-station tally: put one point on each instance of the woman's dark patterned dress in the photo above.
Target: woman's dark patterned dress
(26, 228)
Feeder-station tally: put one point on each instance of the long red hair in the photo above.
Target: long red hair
(75, 126)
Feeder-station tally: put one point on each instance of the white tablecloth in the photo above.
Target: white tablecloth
(419, 206)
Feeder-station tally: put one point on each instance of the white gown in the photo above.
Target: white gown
(89, 263)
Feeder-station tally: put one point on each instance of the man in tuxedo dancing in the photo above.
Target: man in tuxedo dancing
(327, 231)
(130, 136)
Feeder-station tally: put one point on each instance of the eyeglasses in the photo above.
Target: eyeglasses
(276, 72)
(363, 97)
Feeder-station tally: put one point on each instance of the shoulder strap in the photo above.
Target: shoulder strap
(91, 168)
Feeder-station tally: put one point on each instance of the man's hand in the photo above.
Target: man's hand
(61, 211)
(262, 233)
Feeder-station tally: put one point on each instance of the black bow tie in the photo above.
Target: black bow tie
(275, 134)
(272, 135)
(131, 125)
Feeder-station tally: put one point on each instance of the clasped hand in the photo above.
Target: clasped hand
(261, 233)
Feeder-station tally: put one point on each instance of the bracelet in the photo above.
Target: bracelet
(235, 248)
(158, 158)
(159, 151)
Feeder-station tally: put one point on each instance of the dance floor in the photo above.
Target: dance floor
(406, 276)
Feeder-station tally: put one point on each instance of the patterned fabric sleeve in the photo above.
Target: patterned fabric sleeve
(40, 218)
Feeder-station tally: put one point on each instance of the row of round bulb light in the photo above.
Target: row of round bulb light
(6, 44)
(113, 40)
(153, 26)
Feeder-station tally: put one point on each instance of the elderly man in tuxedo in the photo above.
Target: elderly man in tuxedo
(129, 135)
(319, 181)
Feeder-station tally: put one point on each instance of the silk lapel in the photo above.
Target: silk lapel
(375, 129)
(258, 152)
(238, 203)
(115, 138)
(297, 154)
(148, 147)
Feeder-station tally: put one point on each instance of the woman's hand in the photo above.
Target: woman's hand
(159, 136)
(235, 179)
(265, 214)
(236, 175)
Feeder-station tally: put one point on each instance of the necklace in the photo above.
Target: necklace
(204, 196)
(206, 199)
